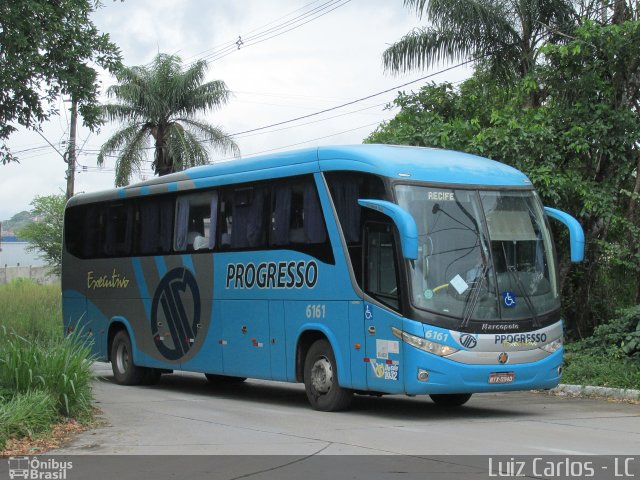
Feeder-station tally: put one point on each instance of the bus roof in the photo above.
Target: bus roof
(394, 161)
(418, 164)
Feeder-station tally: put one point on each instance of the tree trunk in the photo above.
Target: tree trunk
(162, 161)
(632, 216)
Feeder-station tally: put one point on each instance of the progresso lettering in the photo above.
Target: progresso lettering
(523, 338)
(272, 275)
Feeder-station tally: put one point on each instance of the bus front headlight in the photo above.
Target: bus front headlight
(424, 344)
(552, 347)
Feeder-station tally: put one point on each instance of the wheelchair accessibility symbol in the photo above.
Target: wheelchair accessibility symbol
(509, 299)
(368, 314)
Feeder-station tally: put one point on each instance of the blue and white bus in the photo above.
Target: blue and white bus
(368, 269)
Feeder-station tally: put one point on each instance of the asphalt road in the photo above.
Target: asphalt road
(185, 414)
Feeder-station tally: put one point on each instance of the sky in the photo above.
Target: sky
(299, 57)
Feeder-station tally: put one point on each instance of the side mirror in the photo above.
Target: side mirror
(404, 222)
(576, 235)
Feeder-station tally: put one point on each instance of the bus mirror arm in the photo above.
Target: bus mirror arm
(404, 222)
(576, 235)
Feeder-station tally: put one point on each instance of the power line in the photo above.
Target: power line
(50, 144)
(281, 29)
(315, 121)
(301, 143)
(233, 42)
(355, 101)
(31, 149)
(288, 30)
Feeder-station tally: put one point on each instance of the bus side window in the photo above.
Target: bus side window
(297, 217)
(118, 230)
(81, 227)
(155, 226)
(196, 220)
(243, 217)
(346, 188)
(381, 280)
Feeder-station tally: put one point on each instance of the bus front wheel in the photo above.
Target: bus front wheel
(321, 379)
(450, 399)
(125, 371)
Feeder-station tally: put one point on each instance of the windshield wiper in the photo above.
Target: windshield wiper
(472, 299)
(513, 273)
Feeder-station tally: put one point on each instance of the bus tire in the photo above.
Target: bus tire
(450, 399)
(321, 379)
(125, 371)
(223, 379)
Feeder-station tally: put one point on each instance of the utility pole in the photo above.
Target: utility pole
(71, 151)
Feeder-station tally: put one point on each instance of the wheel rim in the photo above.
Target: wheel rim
(122, 358)
(322, 375)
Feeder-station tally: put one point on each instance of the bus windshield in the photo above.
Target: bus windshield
(484, 255)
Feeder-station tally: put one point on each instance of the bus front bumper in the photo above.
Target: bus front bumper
(447, 376)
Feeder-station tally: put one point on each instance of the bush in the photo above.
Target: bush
(618, 338)
(43, 376)
(60, 367)
(26, 414)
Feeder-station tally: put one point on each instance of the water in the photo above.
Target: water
(15, 254)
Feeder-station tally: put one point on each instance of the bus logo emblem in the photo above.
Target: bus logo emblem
(177, 302)
(468, 341)
(503, 358)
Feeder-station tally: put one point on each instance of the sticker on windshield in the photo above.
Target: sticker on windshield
(508, 299)
(459, 284)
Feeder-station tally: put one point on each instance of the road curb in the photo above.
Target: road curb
(591, 391)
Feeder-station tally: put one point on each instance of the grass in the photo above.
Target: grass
(58, 366)
(44, 377)
(27, 414)
(599, 370)
(31, 310)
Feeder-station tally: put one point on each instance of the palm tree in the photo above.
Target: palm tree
(160, 102)
(505, 35)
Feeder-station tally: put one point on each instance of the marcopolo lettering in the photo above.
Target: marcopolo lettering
(276, 275)
(528, 338)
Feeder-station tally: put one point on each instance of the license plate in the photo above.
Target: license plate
(502, 377)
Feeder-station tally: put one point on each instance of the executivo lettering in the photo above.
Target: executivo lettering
(115, 280)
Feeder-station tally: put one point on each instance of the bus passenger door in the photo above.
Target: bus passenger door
(383, 352)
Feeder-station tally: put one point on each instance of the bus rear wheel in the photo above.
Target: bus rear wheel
(450, 399)
(321, 379)
(125, 371)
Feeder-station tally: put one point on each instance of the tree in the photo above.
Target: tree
(505, 36)
(579, 146)
(46, 49)
(45, 233)
(160, 102)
